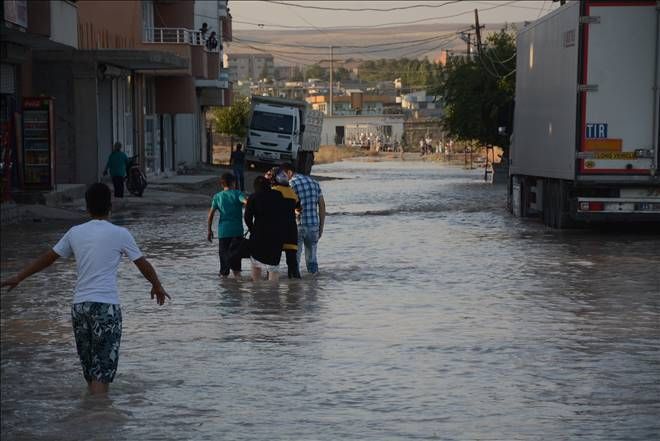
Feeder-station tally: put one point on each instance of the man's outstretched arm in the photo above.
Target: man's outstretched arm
(149, 273)
(39, 264)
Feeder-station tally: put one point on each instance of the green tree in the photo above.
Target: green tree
(232, 120)
(316, 71)
(341, 74)
(478, 92)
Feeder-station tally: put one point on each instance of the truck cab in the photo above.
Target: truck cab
(273, 134)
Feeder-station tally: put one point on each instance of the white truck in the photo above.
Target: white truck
(283, 131)
(586, 120)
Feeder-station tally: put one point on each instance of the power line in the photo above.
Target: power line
(366, 47)
(325, 8)
(328, 28)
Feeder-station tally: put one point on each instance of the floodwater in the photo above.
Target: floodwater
(436, 316)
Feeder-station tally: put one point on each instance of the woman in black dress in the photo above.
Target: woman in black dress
(266, 216)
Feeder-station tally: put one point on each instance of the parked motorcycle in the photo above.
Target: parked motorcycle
(136, 181)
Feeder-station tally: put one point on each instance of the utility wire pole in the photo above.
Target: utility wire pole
(478, 31)
(330, 111)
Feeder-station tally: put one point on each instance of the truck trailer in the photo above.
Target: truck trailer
(282, 131)
(587, 117)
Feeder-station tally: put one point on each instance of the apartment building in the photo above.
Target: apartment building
(243, 67)
(355, 103)
(143, 73)
(169, 63)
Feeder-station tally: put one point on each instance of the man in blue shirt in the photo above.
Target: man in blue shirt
(312, 216)
(117, 162)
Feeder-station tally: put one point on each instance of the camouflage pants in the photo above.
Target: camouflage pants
(97, 328)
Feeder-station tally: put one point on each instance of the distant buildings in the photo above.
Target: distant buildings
(355, 103)
(244, 67)
(142, 73)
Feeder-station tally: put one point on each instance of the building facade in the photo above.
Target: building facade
(244, 67)
(142, 73)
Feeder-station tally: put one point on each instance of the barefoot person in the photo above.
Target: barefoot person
(97, 246)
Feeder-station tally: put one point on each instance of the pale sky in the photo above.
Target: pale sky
(269, 13)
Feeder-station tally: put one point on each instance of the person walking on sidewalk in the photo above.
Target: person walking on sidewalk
(312, 217)
(237, 162)
(97, 246)
(117, 164)
(229, 204)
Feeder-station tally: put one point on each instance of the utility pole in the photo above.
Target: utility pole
(330, 111)
(478, 30)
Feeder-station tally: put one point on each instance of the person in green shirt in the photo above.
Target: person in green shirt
(229, 204)
(117, 163)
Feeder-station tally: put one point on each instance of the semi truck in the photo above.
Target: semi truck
(586, 121)
(282, 131)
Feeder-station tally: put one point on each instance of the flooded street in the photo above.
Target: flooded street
(436, 315)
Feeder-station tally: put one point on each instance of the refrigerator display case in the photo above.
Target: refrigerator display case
(38, 153)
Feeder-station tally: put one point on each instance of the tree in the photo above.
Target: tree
(341, 74)
(316, 71)
(478, 93)
(232, 120)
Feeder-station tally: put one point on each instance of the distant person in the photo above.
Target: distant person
(229, 204)
(312, 217)
(237, 162)
(212, 42)
(203, 30)
(97, 246)
(280, 182)
(265, 217)
(117, 165)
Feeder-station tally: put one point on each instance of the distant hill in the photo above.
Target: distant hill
(282, 43)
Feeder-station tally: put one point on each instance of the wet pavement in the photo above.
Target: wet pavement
(436, 316)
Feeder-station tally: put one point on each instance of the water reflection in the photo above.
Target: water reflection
(435, 316)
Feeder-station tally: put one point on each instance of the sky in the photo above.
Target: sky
(270, 12)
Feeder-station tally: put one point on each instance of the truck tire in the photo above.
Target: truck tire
(555, 204)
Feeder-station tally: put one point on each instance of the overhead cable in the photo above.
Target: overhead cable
(326, 8)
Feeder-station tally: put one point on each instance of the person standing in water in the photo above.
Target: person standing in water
(280, 182)
(97, 246)
(229, 204)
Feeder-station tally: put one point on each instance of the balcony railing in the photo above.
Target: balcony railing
(178, 36)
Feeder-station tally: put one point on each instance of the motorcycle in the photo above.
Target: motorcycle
(136, 181)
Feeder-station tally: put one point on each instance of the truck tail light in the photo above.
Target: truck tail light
(592, 206)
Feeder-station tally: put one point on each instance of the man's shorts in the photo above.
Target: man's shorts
(97, 328)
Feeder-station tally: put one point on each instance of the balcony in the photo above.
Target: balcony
(173, 36)
(188, 43)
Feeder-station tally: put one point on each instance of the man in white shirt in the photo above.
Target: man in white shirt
(96, 314)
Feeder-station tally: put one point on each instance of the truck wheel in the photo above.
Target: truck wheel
(555, 204)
